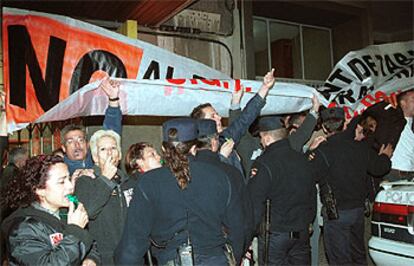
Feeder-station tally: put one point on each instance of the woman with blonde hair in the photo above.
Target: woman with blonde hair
(106, 197)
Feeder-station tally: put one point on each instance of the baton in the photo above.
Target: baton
(149, 258)
(267, 233)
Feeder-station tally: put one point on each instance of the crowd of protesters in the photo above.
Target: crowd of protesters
(210, 190)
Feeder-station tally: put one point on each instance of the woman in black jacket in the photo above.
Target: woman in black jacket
(35, 233)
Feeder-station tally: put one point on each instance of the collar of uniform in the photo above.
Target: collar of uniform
(206, 154)
(277, 145)
(191, 158)
(341, 135)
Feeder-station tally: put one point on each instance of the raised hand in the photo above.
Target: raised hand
(82, 172)
(269, 79)
(237, 96)
(315, 103)
(268, 82)
(111, 89)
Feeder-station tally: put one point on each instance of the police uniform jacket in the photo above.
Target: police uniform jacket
(241, 188)
(344, 164)
(163, 212)
(286, 178)
(249, 144)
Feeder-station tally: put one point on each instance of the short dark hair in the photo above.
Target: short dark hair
(205, 142)
(296, 119)
(198, 112)
(366, 122)
(68, 128)
(334, 125)
(135, 152)
(276, 134)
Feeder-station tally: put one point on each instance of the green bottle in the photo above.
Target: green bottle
(74, 199)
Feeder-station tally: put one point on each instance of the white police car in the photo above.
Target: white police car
(392, 241)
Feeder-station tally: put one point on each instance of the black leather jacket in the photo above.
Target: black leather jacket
(35, 237)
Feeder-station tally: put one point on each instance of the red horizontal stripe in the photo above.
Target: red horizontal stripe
(392, 208)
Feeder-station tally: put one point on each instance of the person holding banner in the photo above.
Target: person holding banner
(73, 137)
(231, 135)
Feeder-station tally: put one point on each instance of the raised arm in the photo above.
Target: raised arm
(299, 138)
(113, 114)
(252, 110)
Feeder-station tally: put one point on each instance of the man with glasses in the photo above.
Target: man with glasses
(73, 137)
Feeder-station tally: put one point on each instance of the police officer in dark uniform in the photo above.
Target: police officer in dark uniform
(344, 164)
(182, 206)
(286, 178)
(207, 151)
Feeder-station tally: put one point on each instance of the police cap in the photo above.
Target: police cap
(186, 129)
(268, 123)
(206, 127)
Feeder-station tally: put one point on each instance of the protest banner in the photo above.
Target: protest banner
(370, 75)
(48, 57)
(177, 97)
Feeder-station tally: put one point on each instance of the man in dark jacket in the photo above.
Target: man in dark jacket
(73, 137)
(344, 164)
(284, 176)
